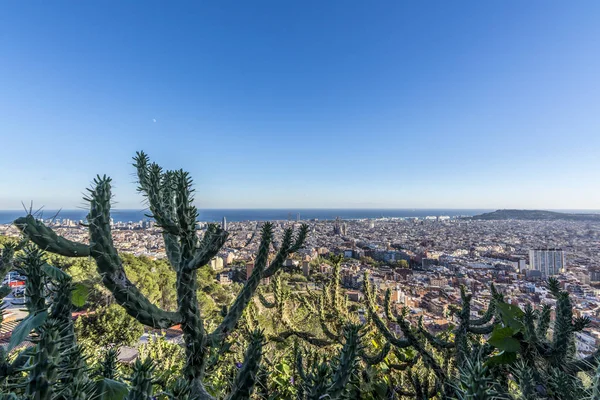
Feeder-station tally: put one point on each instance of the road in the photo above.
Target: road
(14, 307)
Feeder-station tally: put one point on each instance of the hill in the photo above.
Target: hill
(536, 215)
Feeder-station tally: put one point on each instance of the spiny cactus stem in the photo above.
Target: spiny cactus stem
(346, 362)
(377, 358)
(46, 239)
(247, 292)
(213, 240)
(286, 250)
(370, 303)
(246, 377)
(111, 268)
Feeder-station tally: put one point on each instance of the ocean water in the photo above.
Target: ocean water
(215, 215)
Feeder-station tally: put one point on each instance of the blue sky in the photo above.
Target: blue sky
(401, 104)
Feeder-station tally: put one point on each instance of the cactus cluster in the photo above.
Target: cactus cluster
(506, 353)
(169, 195)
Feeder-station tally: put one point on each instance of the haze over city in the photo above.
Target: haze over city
(310, 104)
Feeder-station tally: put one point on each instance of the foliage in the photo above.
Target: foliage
(108, 327)
(169, 359)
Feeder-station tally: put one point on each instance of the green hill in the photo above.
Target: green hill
(536, 215)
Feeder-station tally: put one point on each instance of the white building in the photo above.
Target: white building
(548, 261)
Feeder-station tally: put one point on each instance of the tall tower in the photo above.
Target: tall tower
(548, 261)
(224, 224)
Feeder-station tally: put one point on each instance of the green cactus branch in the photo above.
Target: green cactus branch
(406, 364)
(371, 307)
(141, 380)
(265, 303)
(247, 292)
(159, 189)
(246, 377)
(110, 266)
(376, 358)
(543, 322)
(437, 342)
(7, 258)
(410, 339)
(46, 239)
(480, 330)
(213, 240)
(285, 250)
(306, 336)
(346, 362)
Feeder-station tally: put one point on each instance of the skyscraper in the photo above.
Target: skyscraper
(548, 261)
(224, 224)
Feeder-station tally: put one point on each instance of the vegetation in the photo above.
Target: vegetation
(108, 327)
(273, 342)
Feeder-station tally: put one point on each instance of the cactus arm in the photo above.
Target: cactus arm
(32, 264)
(328, 332)
(304, 301)
(46, 239)
(285, 250)
(428, 359)
(213, 240)
(585, 364)
(580, 323)
(265, 303)
(481, 330)
(300, 367)
(141, 380)
(543, 322)
(381, 326)
(110, 266)
(247, 292)
(408, 364)
(172, 249)
(434, 340)
(487, 316)
(346, 363)
(562, 329)
(377, 358)
(306, 336)
(6, 258)
(158, 188)
(246, 377)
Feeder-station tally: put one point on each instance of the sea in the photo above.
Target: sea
(279, 214)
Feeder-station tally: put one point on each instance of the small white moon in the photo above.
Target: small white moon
(153, 119)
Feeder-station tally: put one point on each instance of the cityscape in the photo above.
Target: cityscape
(299, 200)
(442, 253)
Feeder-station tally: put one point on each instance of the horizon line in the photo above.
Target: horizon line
(327, 208)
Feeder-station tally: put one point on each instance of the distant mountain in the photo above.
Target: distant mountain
(537, 215)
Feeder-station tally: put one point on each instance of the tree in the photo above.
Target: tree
(108, 327)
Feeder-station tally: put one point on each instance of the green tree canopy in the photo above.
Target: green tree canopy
(108, 327)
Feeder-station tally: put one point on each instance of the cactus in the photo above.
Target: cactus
(108, 366)
(330, 380)
(419, 338)
(31, 265)
(45, 362)
(141, 380)
(169, 195)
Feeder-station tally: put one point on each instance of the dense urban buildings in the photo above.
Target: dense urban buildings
(424, 261)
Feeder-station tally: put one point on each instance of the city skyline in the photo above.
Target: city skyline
(307, 105)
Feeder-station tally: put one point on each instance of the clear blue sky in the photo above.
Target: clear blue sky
(402, 104)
